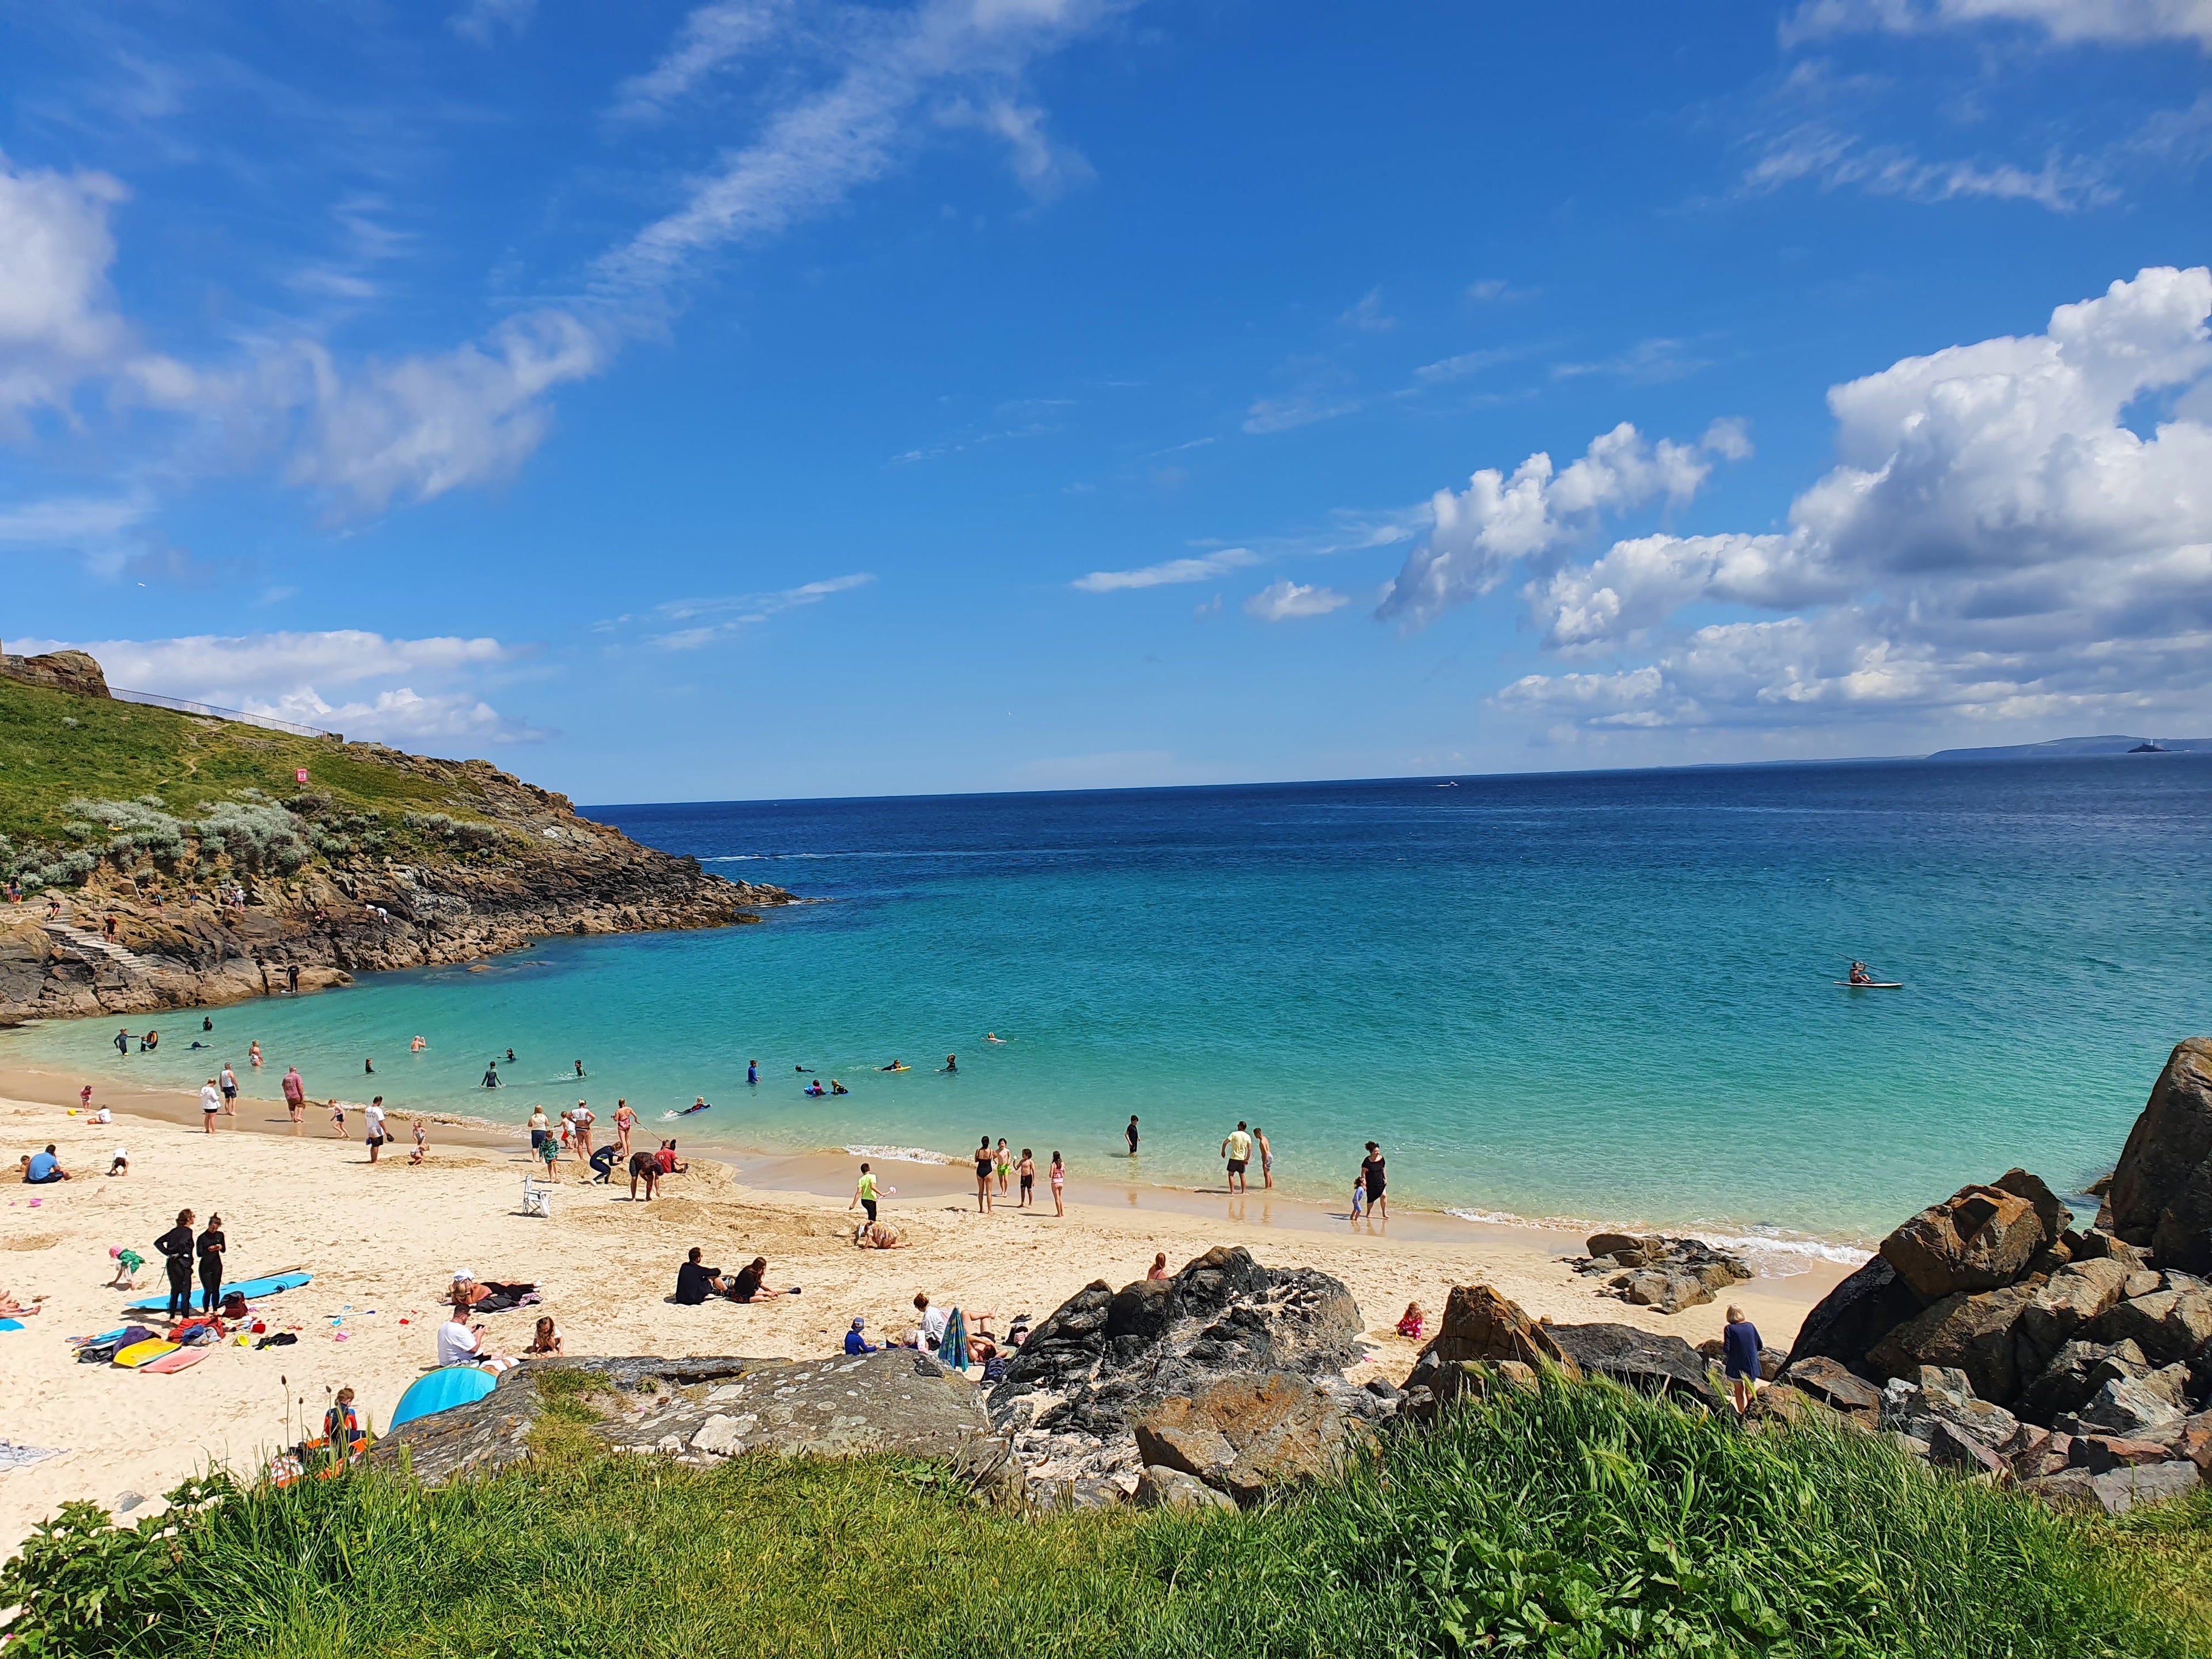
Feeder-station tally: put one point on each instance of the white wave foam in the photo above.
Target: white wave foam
(901, 1154)
(1774, 1253)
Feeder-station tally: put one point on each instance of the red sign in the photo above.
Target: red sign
(301, 775)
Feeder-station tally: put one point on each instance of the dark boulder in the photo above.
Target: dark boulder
(2076, 1372)
(1855, 1316)
(2075, 1296)
(2167, 1325)
(2161, 1191)
(1826, 1381)
(1970, 1333)
(1649, 1362)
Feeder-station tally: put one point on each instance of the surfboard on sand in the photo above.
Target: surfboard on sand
(267, 1285)
(178, 1360)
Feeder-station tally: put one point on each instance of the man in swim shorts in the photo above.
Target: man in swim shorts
(1131, 1133)
(1238, 1149)
(646, 1167)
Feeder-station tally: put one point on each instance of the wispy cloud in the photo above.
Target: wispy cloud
(1369, 315)
(1202, 568)
(1648, 363)
(1445, 370)
(1268, 415)
(1496, 290)
(712, 38)
(719, 617)
(485, 21)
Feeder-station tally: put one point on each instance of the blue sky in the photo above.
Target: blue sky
(776, 398)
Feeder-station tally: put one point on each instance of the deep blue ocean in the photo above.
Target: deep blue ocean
(1606, 996)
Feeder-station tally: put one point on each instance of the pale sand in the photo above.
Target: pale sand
(382, 1243)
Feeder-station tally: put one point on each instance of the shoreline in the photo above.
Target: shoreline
(828, 1173)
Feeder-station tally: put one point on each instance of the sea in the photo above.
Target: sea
(1580, 998)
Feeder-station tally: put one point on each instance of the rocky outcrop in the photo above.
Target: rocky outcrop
(1652, 1271)
(526, 868)
(704, 1410)
(1644, 1360)
(1105, 1360)
(62, 670)
(1855, 1316)
(1977, 1239)
(1972, 1334)
(2160, 1195)
(1248, 1436)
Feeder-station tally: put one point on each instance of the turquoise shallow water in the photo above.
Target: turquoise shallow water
(1600, 996)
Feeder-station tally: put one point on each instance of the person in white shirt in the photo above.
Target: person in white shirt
(210, 1103)
(376, 1137)
(933, 1322)
(581, 1121)
(460, 1343)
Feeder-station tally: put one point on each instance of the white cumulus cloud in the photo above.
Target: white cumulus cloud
(1287, 601)
(2113, 21)
(1481, 531)
(2018, 528)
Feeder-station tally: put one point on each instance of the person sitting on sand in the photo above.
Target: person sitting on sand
(39, 1168)
(11, 1308)
(342, 1423)
(670, 1163)
(1160, 1267)
(546, 1342)
(878, 1236)
(695, 1284)
(748, 1288)
(933, 1321)
(1412, 1322)
(460, 1343)
(421, 1143)
(856, 1342)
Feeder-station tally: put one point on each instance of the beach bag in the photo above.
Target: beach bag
(102, 1350)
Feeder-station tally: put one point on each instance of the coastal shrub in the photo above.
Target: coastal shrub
(134, 828)
(1579, 1522)
(259, 838)
(461, 834)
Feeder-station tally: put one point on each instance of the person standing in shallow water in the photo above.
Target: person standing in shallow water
(1267, 1156)
(1131, 1133)
(1372, 1177)
(984, 1164)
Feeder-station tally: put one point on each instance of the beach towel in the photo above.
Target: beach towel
(13, 1456)
(12, 1325)
(952, 1346)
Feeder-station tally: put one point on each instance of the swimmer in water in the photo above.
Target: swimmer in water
(815, 1089)
(698, 1105)
(802, 1068)
(993, 1037)
(895, 1066)
(752, 1071)
(837, 1087)
(951, 1062)
(580, 1068)
(418, 1046)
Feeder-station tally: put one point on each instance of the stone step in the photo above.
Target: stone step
(129, 961)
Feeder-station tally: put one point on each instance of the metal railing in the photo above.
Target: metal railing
(187, 706)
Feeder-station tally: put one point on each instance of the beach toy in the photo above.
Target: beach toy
(177, 1361)
(440, 1391)
(248, 1288)
(139, 1352)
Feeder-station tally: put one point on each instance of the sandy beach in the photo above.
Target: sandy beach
(383, 1241)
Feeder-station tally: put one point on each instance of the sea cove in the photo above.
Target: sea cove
(1591, 996)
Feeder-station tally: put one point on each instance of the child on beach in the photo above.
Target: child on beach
(127, 1264)
(1358, 1198)
(1058, 1186)
(1412, 1322)
(1004, 1163)
(1028, 1171)
(120, 1163)
(337, 1119)
(421, 1143)
(547, 1342)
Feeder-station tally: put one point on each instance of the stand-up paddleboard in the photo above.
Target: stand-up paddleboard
(178, 1360)
(267, 1285)
(441, 1390)
(1872, 984)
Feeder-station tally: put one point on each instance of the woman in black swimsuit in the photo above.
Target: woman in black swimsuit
(1370, 1170)
(986, 1161)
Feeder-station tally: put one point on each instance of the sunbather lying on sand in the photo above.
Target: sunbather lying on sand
(11, 1308)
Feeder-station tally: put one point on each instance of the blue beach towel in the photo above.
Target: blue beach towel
(952, 1346)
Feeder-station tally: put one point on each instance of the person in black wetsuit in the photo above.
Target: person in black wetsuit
(1131, 1133)
(211, 1249)
(695, 1284)
(176, 1247)
(602, 1164)
(1371, 1171)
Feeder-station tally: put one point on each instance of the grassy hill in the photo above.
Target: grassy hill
(1581, 1521)
(56, 747)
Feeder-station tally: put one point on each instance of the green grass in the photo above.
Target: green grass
(121, 751)
(1576, 1521)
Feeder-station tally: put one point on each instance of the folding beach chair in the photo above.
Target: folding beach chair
(537, 1197)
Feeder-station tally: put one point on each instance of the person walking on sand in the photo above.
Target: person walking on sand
(210, 1105)
(1267, 1156)
(1370, 1172)
(539, 1129)
(294, 1086)
(1740, 1357)
(176, 1247)
(1058, 1186)
(864, 1194)
(582, 1118)
(210, 1247)
(1131, 1133)
(337, 1117)
(984, 1161)
(1238, 1149)
(229, 1084)
(375, 1134)
(625, 1121)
